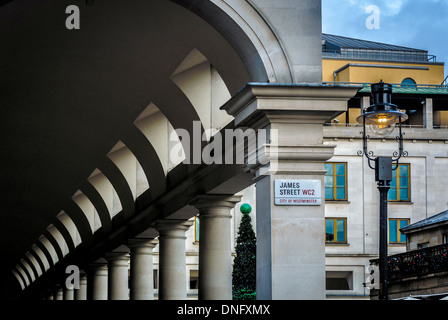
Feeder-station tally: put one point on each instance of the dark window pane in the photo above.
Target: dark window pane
(340, 230)
(329, 229)
(329, 181)
(404, 194)
(404, 182)
(340, 169)
(404, 170)
(403, 223)
(340, 181)
(340, 193)
(329, 194)
(393, 230)
(329, 168)
(393, 194)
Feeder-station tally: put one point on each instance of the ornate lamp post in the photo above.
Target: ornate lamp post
(382, 117)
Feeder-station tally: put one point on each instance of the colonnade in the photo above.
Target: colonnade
(128, 274)
(290, 247)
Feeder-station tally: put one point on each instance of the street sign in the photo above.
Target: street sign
(297, 193)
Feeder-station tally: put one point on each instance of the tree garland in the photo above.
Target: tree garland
(244, 267)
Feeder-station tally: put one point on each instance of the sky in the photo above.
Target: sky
(420, 24)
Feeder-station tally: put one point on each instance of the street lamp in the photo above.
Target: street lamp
(382, 118)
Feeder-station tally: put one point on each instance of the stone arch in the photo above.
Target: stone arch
(143, 46)
(247, 30)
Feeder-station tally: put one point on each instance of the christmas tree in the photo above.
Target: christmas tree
(244, 266)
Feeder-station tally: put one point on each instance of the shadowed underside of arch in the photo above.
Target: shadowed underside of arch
(78, 108)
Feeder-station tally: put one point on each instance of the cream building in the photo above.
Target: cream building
(357, 212)
(417, 192)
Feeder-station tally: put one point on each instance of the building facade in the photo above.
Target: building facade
(351, 209)
(420, 273)
(111, 140)
(417, 190)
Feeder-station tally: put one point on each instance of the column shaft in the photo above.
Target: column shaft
(81, 293)
(172, 259)
(69, 294)
(97, 282)
(117, 285)
(142, 270)
(428, 113)
(215, 252)
(58, 294)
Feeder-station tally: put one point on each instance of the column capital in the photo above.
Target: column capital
(168, 225)
(258, 104)
(142, 245)
(98, 265)
(293, 116)
(207, 201)
(117, 258)
(142, 242)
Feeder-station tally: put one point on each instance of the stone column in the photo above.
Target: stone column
(69, 294)
(428, 116)
(97, 281)
(172, 259)
(290, 237)
(365, 103)
(81, 293)
(142, 270)
(58, 295)
(215, 252)
(117, 284)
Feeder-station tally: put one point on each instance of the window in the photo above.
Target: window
(423, 245)
(194, 277)
(155, 278)
(336, 230)
(400, 185)
(408, 82)
(336, 181)
(339, 280)
(395, 235)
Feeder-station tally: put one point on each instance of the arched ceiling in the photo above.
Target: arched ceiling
(68, 96)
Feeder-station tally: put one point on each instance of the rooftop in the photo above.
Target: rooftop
(344, 47)
(438, 218)
(415, 89)
(345, 42)
(398, 88)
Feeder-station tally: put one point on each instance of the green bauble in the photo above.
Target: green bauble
(245, 208)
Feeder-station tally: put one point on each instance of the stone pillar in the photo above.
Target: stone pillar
(69, 294)
(428, 117)
(431, 190)
(215, 252)
(365, 103)
(172, 259)
(81, 293)
(58, 294)
(117, 284)
(290, 238)
(97, 281)
(142, 270)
